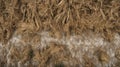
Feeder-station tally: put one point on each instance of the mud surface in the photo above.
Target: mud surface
(60, 33)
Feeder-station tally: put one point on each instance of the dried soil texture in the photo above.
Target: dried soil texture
(59, 33)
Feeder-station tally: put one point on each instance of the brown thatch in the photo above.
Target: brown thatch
(61, 19)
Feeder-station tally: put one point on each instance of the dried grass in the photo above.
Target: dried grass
(60, 18)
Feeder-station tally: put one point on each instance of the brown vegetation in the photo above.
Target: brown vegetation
(60, 18)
